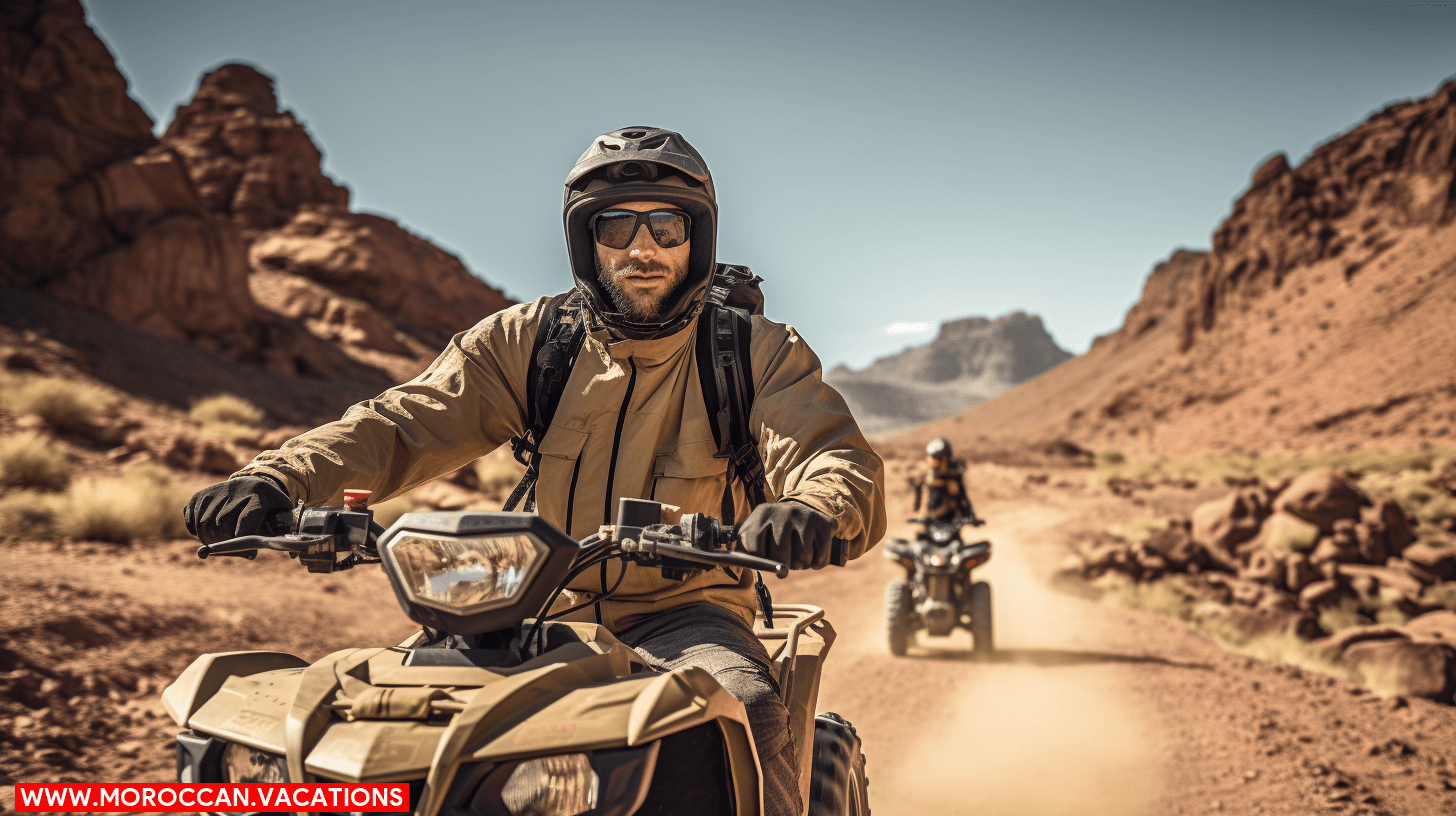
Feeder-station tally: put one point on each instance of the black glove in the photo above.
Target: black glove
(237, 507)
(789, 533)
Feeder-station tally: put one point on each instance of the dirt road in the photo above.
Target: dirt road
(1088, 708)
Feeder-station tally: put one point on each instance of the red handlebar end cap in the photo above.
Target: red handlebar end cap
(356, 499)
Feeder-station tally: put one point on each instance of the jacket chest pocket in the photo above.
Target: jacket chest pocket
(693, 484)
(561, 478)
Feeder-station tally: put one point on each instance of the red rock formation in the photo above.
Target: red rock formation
(1321, 321)
(249, 160)
(89, 209)
(423, 290)
(257, 165)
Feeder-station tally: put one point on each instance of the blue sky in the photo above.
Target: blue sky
(878, 163)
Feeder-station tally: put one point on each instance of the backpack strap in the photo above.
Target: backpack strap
(559, 337)
(726, 373)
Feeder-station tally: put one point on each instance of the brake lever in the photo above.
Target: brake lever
(248, 546)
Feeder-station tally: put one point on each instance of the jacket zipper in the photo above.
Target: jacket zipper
(617, 442)
(571, 494)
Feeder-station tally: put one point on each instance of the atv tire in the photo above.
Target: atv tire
(983, 624)
(899, 606)
(838, 785)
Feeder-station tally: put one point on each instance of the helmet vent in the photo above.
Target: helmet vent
(606, 146)
(631, 171)
(654, 144)
(634, 134)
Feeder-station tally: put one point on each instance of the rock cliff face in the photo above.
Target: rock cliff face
(248, 159)
(90, 209)
(172, 236)
(1320, 321)
(970, 361)
(257, 165)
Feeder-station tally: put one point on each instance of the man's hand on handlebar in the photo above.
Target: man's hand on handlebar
(237, 507)
(790, 533)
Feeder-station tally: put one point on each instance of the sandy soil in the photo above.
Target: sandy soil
(1087, 708)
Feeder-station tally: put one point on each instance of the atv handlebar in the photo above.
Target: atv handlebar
(957, 520)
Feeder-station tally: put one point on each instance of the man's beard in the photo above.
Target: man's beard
(645, 307)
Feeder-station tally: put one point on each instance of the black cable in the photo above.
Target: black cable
(602, 597)
(578, 569)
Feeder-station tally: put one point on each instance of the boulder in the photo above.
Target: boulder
(1299, 572)
(1385, 577)
(1289, 533)
(1265, 567)
(1219, 526)
(1439, 626)
(1433, 560)
(1321, 497)
(1332, 550)
(1405, 667)
(1324, 594)
(1334, 646)
(1388, 519)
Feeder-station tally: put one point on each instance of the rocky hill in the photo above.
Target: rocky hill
(970, 361)
(224, 234)
(1320, 321)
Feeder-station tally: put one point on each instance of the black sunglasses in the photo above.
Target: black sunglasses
(617, 228)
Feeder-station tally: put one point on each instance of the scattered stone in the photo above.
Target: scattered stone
(1321, 497)
(1407, 668)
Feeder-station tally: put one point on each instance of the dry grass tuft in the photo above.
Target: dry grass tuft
(1213, 470)
(144, 503)
(226, 408)
(64, 404)
(29, 513)
(227, 416)
(32, 460)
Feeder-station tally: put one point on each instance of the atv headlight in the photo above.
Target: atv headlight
(551, 786)
(465, 574)
(243, 764)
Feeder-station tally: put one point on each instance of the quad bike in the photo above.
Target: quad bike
(937, 593)
(493, 708)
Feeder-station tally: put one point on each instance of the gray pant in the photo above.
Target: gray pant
(717, 641)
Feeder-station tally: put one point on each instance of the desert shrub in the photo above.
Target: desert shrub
(1164, 596)
(226, 416)
(226, 409)
(65, 405)
(31, 460)
(29, 513)
(145, 502)
(1343, 615)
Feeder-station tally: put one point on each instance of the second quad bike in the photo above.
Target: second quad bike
(493, 708)
(937, 593)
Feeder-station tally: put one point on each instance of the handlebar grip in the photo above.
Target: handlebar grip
(839, 552)
(280, 522)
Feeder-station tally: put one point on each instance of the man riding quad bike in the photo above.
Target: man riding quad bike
(656, 377)
(937, 593)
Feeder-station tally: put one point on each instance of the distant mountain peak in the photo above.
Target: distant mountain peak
(970, 360)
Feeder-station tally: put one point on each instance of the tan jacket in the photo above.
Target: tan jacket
(637, 402)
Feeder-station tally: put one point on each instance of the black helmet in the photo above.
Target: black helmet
(939, 448)
(640, 164)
